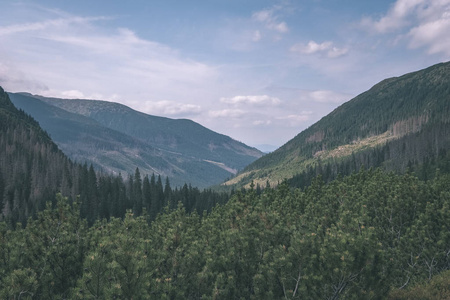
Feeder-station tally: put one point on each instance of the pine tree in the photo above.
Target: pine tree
(137, 193)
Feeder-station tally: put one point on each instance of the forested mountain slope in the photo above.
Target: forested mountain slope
(116, 139)
(398, 123)
(179, 135)
(32, 168)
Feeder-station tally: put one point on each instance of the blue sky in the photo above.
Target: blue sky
(258, 71)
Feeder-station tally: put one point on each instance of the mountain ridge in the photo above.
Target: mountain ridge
(151, 143)
(389, 111)
(127, 120)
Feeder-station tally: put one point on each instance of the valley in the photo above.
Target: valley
(354, 207)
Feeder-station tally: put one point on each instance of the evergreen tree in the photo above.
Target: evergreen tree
(147, 194)
(137, 193)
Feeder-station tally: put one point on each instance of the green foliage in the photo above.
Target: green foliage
(19, 284)
(44, 260)
(116, 265)
(364, 236)
(438, 288)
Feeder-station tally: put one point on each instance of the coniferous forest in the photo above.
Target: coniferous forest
(68, 231)
(33, 170)
(365, 236)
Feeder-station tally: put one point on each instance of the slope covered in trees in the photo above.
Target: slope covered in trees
(85, 140)
(399, 123)
(33, 170)
(179, 135)
(116, 138)
(359, 237)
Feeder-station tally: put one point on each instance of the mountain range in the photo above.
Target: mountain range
(117, 139)
(399, 123)
(66, 230)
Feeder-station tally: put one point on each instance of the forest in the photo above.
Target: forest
(370, 235)
(337, 231)
(33, 170)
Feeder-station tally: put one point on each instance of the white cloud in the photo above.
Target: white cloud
(323, 96)
(297, 118)
(281, 27)
(171, 108)
(72, 57)
(256, 36)
(14, 79)
(257, 99)
(73, 94)
(262, 122)
(395, 18)
(38, 26)
(294, 120)
(226, 113)
(270, 20)
(434, 35)
(313, 47)
(336, 52)
(424, 23)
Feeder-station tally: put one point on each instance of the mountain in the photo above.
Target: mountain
(34, 172)
(399, 123)
(116, 138)
(32, 168)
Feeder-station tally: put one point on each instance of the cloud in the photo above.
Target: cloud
(226, 113)
(313, 47)
(294, 120)
(323, 96)
(262, 122)
(258, 100)
(423, 23)
(13, 79)
(297, 118)
(270, 20)
(395, 18)
(39, 26)
(434, 35)
(73, 94)
(171, 108)
(72, 57)
(256, 36)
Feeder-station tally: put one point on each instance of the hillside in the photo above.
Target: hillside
(32, 168)
(33, 171)
(399, 122)
(116, 139)
(179, 135)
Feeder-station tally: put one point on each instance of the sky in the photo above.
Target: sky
(258, 71)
